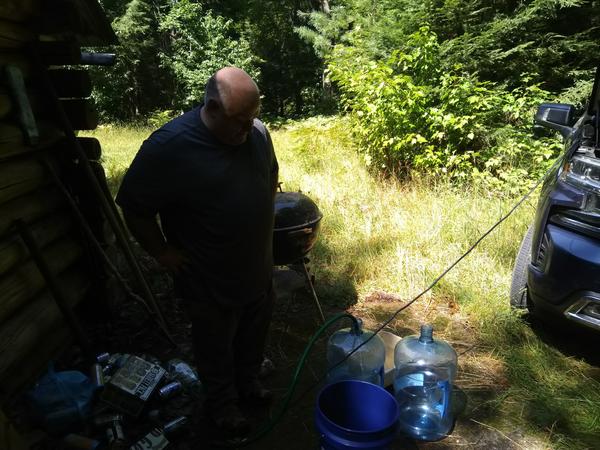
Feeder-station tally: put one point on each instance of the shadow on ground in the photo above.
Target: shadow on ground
(571, 341)
(477, 399)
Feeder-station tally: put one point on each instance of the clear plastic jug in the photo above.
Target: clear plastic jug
(365, 364)
(425, 370)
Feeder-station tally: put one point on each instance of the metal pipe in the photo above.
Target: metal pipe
(98, 59)
(312, 289)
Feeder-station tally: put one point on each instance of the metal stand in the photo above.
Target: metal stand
(312, 289)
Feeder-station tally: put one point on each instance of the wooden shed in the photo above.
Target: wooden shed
(51, 182)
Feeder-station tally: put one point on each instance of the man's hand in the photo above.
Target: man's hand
(173, 260)
(147, 232)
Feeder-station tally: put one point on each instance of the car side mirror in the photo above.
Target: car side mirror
(556, 116)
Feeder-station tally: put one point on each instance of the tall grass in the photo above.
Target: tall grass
(119, 144)
(383, 241)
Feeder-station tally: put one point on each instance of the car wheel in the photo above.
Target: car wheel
(518, 287)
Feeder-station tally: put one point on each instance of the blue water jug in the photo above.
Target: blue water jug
(365, 364)
(425, 370)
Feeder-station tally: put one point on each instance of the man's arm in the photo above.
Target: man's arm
(148, 234)
(274, 163)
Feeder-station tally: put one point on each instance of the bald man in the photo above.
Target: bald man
(211, 175)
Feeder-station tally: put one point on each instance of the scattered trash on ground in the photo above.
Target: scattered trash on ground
(128, 402)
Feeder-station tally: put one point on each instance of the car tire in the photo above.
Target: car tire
(519, 298)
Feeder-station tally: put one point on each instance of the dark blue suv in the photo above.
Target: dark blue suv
(557, 269)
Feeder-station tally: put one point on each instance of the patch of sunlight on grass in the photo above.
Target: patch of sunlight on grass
(391, 237)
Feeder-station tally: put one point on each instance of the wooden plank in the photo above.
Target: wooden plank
(48, 143)
(12, 140)
(20, 177)
(10, 134)
(9, 438)
(5, 105)
(18, 10)
(25, 281)
(59, 17)
(23, 332)
(23, 112)
(23, 188)
(81, 113)
(17, 59)
(29, 208)
(35, 364)
(8, 106)
(71, 83)
(45, 231)
(13, 35)
(91, 147)
(59, 53)
(85, 19)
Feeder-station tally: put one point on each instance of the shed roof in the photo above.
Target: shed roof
(82, 20)
(95, 29)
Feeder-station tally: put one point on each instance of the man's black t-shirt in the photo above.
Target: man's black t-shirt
(215, 203)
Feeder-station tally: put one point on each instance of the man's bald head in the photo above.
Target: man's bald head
(231, 102)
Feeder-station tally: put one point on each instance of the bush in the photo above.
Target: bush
(410, 114)
(159, 117)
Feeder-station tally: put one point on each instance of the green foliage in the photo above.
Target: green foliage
(169, 48)
(551, 38)
(159, 117)
(554, 40)
(200, 44)
(290, 70)
(579, 93)
(322, 30)
(455, 99)
(411, 113)
(136, 84)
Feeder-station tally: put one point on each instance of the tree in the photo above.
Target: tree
(200, 43)
(137, 84)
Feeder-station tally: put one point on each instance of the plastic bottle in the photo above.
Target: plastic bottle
(365, 364)
(115, 436)
(425, 370)
(187, 376)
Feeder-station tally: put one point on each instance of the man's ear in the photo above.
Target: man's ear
(212, 107)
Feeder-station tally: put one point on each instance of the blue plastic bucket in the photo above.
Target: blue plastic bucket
(354, 414)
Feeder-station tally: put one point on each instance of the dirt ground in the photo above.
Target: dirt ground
(295, 320)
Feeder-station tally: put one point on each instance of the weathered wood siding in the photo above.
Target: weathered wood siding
(32, 329)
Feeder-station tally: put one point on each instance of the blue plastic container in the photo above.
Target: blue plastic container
(353, 414)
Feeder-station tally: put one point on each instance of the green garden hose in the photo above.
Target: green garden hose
(284, 406)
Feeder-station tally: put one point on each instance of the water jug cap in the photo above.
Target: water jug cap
(426, 333)
(357, 326)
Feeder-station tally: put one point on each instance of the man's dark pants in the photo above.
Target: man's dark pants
(228, 346)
